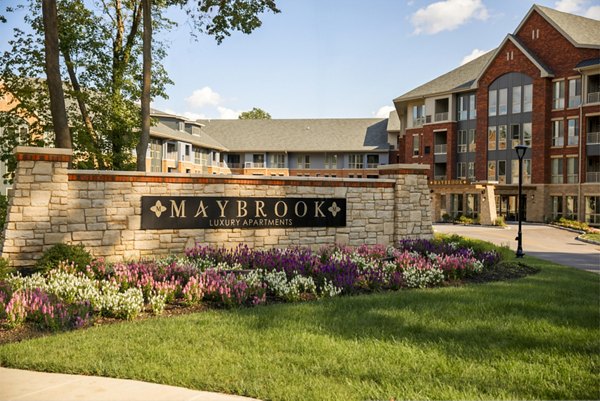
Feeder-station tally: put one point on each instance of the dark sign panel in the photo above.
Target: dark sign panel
(166, 212)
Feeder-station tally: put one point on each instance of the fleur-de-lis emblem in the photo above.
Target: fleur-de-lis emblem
(334, 209)
(158, 208)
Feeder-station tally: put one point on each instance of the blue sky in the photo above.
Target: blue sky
(334, 58)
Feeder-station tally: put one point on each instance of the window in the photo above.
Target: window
(557, 210)
(514, 171)
(471, 171)
(492, 138)
(527, 134)
(416, 144)
(355, 161)
(233, 161)
(461, 171)
(331, 161)
(472, 107)
(515, 135)
(557, 170)
(516, 99)
(492, 103)
(573, 132)
(502, 101)
(572, 170)
(456, 205)
(462, 108)
(527, 97)
(418, 115)
(558, 138)
(278, 160)
(171, 151)
(592, 209)
(462, 141)
(258, 160)
(304, 161)
(491, 170)
(558, 95)
(471, 140)
(472, 209)
(571, 207)
(502, 171)
(502, 137)
(575, 92)
(372, 161)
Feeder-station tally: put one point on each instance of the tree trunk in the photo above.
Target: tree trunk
(142, 146)
(54, 82)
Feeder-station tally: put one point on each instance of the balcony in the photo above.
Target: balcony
(234, 165)
(593, 138)
(418, 122)
(254, 165)
(441, 116)
(592, 176)
(440, 149)
(593, 97)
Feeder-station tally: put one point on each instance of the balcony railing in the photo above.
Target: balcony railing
(254, 165)
(440, 149)
(419, 121)
(593, 138)
(593, 97)
(234, 165)
(439, 177)
(372, 165)
(441, 116)
(592, 176)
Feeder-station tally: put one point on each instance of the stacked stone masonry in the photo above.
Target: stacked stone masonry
(102, 210)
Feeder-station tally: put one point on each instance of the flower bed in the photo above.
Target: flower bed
(67, 297)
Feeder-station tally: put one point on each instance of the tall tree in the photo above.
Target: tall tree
(255, 114)
(142, 146)
(54, 81)
(216, 18)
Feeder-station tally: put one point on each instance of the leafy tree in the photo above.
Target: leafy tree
(255, 114)
(216, 18)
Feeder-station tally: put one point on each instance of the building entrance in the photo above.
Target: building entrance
(506, 206)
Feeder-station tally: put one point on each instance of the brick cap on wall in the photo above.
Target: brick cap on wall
(187, 178)
(404, 168)
(33, 153)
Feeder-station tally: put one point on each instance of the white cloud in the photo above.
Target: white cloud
(204, 97)
(474, 54)
(194, 116)
(579, 7)
(593, 12)
(447, 15)
(570, 6)
(384, 111)
(228, 114)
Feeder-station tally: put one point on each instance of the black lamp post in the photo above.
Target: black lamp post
(520, 149)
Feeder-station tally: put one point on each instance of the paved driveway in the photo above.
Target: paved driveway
(539, 240)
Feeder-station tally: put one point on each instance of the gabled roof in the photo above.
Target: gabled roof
(460, 78)
(545, 71)
(163, 131)
(301, 135)
(580, 31)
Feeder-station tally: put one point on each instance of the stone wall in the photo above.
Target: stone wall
(102, 210)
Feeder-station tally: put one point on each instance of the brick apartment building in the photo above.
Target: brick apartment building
(540, 88)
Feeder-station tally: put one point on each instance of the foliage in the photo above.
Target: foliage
(255, 114)
(3, 211)
(5, 268)
(574, 224)
(232, 277)
(499, 222)
(593, 237)
(464, 220)
(533, 338)
(446, 218)
(76, 254)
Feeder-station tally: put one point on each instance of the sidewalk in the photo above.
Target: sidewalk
(33, 386)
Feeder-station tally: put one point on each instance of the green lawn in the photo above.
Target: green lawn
(532, 338)
(592, 237)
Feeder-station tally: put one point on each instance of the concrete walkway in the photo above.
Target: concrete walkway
(24, 385)
(539, 240)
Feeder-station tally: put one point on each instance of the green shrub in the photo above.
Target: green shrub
(63, 252)
(464, 220)
(446, 218)
(3, 211)
(5, 268)
(574, 224)
(499, 222)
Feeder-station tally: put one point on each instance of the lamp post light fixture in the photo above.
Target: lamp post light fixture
(520, 149)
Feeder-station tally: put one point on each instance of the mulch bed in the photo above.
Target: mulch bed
(501, 272)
